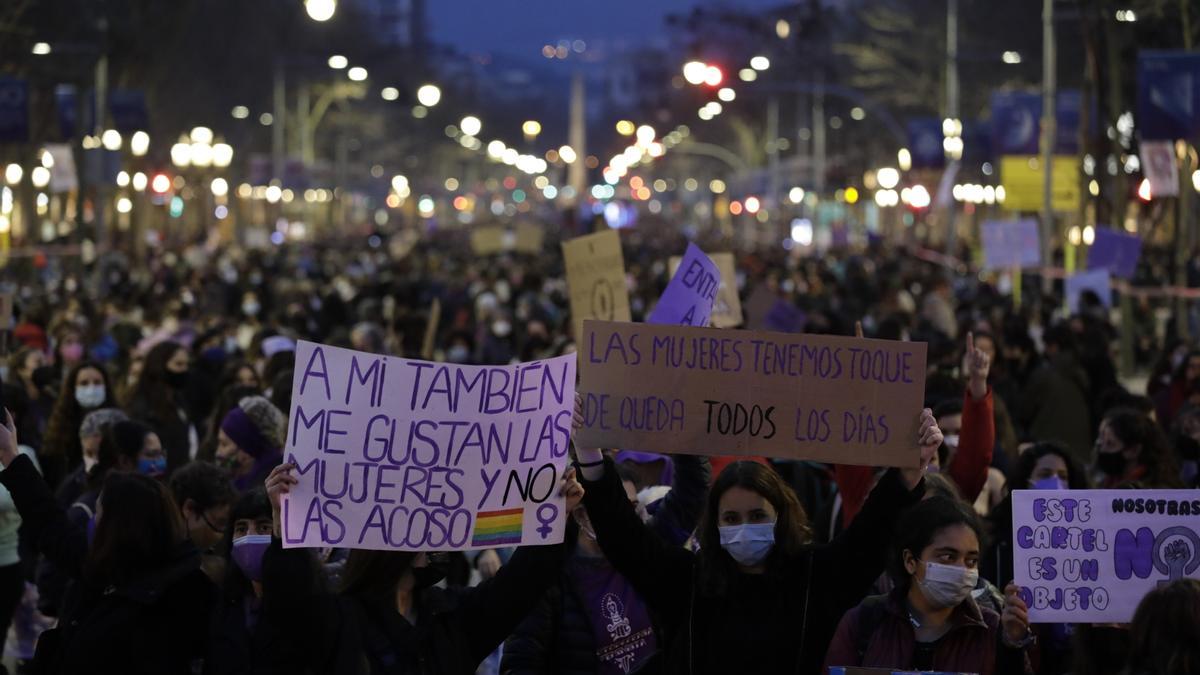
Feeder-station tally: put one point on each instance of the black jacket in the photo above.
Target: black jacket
(155, 625)
(357, 635)
(557, 637)
(766, 624)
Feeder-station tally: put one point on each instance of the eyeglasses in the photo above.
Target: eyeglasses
(214, 528)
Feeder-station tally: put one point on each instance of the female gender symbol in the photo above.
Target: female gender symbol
(546, 515)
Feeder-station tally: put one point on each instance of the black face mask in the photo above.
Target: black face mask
(429, 575)
(177, 380)
(1111, 463)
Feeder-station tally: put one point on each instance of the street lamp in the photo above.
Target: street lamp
(471, 125)
(760, 63)
(139, 143)
(694, 71)
(13, 173)
(181, 153)
(357, 74)
(531, 128)
(337, 62)
(222, 155)
(429, 95)
(320, 10)
(111, 139)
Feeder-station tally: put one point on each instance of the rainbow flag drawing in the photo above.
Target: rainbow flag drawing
(493, 528)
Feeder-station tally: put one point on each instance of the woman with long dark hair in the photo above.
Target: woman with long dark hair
(931, 621)
(158, 398)
(388, 618)
(85, 388)
(1133, 450)
(140, 603)
(758, 597)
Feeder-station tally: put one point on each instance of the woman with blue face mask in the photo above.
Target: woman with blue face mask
(758, 597)
(125, 446)
(1042, 466)
(139, 602)
(930, 621)
(240, 639)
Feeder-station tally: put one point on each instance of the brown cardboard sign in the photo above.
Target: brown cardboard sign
(727, 310)
(487, 240)
(529, 238)
(6, 311)
(596, 279)
(680, 389)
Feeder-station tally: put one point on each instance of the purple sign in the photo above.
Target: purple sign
(1089, 556)
(1096, 281)
(689, 298)
(1116, 252)
(1010, 243)
(785, 317)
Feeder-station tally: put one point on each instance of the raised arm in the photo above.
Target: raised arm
(681, 508)
(977, 441)
(857, 556)
(661, 573)
(42, 519)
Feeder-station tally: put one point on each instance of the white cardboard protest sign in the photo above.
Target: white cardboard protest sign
(397, 454)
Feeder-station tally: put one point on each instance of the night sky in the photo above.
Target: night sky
(520, 27)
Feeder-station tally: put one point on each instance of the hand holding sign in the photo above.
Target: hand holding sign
(976, 364)
(279, 483)
(931, 439)
(1016, 615)
(8, 440)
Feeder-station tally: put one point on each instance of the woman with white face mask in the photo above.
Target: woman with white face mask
(758, 597)
(930, 621)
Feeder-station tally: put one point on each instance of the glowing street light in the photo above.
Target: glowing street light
(338, 62)
(111, 139)
(429, 95)
(567, 154)
(41, 48)
(471, 125)
(222, 155)
(694, 72)
(320, 10)
(390, 93)
(887, 177)
(357, 74)
(13, 173)
(531, 128)
(139, 143)
(760, 63)
(625, 128)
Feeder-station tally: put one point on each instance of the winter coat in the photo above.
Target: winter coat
(156, 624)
(768, 624)
(974, 644)
(365, 635)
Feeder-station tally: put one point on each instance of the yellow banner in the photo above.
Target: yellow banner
(1021, 176)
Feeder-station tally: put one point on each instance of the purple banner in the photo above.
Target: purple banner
(689, 298)
(1116, 252)
(1010, 244)
(1089, 556)
(1096, 281)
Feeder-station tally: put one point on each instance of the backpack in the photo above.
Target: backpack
(871, 612)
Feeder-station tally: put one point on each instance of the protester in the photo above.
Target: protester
(204, 495)
(158, 399)
(388, 617)
(753, 583)
(1132, 449)
(251, 441)
(931, 622)
(1043, 466)
(1053, 401)
(1164, 633)
(26, 394)
(592, 620)
(91, 432)
(237, 645)
(139, 602)
(85, 389)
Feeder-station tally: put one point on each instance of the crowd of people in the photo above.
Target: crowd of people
(144, 470)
